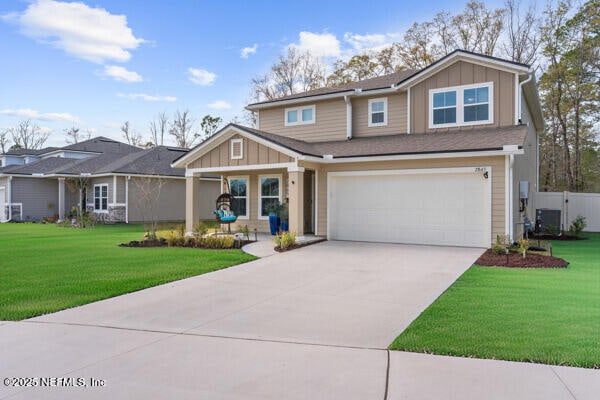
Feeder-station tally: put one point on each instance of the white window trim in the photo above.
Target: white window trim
(460, 106)
(299, 110)
(94, 197)
(247, 178)
(385, 112)
(278, 176)
(241, 142)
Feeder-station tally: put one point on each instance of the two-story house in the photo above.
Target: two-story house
(429, 157)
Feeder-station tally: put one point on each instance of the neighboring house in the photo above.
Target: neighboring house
(116, 181)
(429, 157)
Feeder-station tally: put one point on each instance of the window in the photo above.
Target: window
(299, 115)
(237, 149)
(101, 198)
(378, 112)
(461, 105)
(238, 187)
(269, 194)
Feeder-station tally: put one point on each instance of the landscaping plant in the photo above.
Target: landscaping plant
(577, 226)
(285, 240)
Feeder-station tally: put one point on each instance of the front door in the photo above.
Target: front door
(309, 201)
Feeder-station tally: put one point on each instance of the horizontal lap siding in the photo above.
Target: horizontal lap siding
(169, 207)
(253, 153)
(396, 122)
(464, 73)
(496, 163)
(39, 196)
(330, 122)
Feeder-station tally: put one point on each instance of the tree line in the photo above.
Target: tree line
(561, 43)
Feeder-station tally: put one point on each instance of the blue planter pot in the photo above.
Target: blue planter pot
(274, 224)
(285, 226)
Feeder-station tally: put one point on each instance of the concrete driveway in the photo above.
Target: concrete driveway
(312, 323)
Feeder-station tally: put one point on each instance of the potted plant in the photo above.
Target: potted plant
(274, 211)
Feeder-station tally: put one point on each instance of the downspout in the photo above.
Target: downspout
(348, 117)
(511, 163)
(9, 195)
(127, 199)
(520, 109)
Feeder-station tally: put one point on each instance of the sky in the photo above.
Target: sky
(95, 64)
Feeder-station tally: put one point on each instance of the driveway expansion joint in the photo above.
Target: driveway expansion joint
(563, 382)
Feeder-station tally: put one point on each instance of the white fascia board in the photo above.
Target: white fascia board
(473, 58)
(260, 106)
(425, 156)
(194, 171)
(220, 138)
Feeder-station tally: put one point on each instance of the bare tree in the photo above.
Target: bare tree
(147, 202)
(132, 137)
(4, 140)
(209, 125)
(479, 28)
(294, 72)
(522, 33)
(158, 128)
(75, 135)
(27, 135)
(182, 129)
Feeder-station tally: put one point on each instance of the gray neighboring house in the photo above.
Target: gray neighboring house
(112, 179)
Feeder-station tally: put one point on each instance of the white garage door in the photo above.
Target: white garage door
(441, 207)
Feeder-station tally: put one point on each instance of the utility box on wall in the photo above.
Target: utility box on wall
(523, 189)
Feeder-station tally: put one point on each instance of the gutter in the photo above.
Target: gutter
(520, 103)
(348, 117)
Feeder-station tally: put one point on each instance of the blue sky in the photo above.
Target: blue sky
(102, 62)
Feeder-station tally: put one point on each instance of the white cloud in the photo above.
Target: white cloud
(33, 114)
(247, 51)
(319, 44)
(370, 42)
(219, 105)
(147, 97)
(121, 74)
(201, 76)
(92, 34)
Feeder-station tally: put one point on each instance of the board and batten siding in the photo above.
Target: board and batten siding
(253, 154)
(330, 122)
(39, 196)
(464, 73)
(497, 165)
(396, 116)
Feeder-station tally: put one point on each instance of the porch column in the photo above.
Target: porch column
(61, 198)
(192, 202)
(296, 205)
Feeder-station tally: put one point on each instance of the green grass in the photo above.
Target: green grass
(46, 268)
(549, 316)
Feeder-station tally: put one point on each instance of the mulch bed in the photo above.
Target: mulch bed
(566, 238)
(515, 260)
(298, 246)
(163, 243)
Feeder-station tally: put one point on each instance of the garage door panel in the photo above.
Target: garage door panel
(445, 209)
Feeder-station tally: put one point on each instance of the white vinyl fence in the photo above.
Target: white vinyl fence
(572, 205)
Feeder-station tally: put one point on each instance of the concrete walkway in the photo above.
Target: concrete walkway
(312, 323)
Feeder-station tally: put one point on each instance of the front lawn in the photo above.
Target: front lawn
(46, 268)
(549, 316)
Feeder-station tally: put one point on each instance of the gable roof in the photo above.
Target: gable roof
(391, 82)
(154, 161)
(30, 152)
(474, 140)
(101, 144)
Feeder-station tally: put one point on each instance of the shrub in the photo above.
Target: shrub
(218, 242)
(523, 246)
(285, 240)
(180, 230)
(577, 225)
(551, 230)
(200, 229)
(244, 230)
(501, 244)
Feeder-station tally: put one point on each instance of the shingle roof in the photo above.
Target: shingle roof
(380, 82)
(46, 166)
(477, 139)
(102, 144)
(30, 152)
(154, 161)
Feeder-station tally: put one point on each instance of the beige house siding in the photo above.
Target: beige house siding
(497, 165)
(170, 205)
(464, 73)
(330, 122)
(396, 116)
(253, 153)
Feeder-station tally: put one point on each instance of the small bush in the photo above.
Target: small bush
(285, 240)
(523, 246)
(551, 230)
(577, 225)
(218, 242)
(174, 238)
(501, 244)
(200, 229)
(244, 230)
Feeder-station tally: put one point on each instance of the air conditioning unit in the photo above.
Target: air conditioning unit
(549, 220)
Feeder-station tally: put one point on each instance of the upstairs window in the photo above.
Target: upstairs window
(378, 112)
(299, 115)
(461, 105)
(237, 149)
